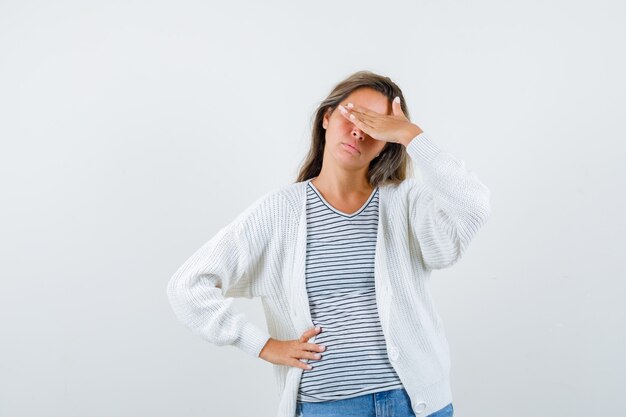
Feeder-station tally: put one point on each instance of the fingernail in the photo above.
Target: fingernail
(350, 105)
(397, 99)
(342, 109)
(309, 367)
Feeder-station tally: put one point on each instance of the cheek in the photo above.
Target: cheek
(343, 123)
(340, 127)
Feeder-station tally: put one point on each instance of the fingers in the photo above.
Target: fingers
(362, 110)
(299, 364)
(306, 355)
(313, 347)
(368, 116)
(362, 124)
(362, 121)
(309, 334)
(308, 350)
(310, 355)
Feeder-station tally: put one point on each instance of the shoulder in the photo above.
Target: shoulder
(395, 189)
(404, 195)
(293, 195)
(272, 207)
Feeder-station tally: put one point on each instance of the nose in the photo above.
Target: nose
(358, 133)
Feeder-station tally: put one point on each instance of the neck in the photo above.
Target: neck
(342, 183)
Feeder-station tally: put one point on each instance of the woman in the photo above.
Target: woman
(341, 260)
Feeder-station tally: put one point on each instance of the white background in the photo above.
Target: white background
(132, 131)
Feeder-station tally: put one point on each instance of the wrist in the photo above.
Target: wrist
(409, 134)
(264, 348)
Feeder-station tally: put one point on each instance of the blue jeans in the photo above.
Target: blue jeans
(392, 403)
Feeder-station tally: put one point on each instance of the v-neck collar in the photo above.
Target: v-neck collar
(330, 206)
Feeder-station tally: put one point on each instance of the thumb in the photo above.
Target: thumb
(396, 107)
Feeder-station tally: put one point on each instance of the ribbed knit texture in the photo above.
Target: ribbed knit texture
(423, 225)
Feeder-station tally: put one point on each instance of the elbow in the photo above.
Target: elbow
(445, 257)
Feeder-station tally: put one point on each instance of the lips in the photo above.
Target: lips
(353, 146)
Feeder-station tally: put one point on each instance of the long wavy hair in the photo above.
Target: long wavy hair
(392, 165)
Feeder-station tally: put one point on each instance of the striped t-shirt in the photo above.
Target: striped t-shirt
(342, 297)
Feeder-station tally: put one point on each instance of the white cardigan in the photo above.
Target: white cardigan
(423, 225)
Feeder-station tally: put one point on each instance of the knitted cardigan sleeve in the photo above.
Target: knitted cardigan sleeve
(448, 207)
(202, 290)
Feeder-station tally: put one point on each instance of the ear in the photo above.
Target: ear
(327, 114)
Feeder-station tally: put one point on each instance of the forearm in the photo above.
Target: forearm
(407, 135)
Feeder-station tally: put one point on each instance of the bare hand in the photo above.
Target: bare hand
(395, 128)
(289, 352)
